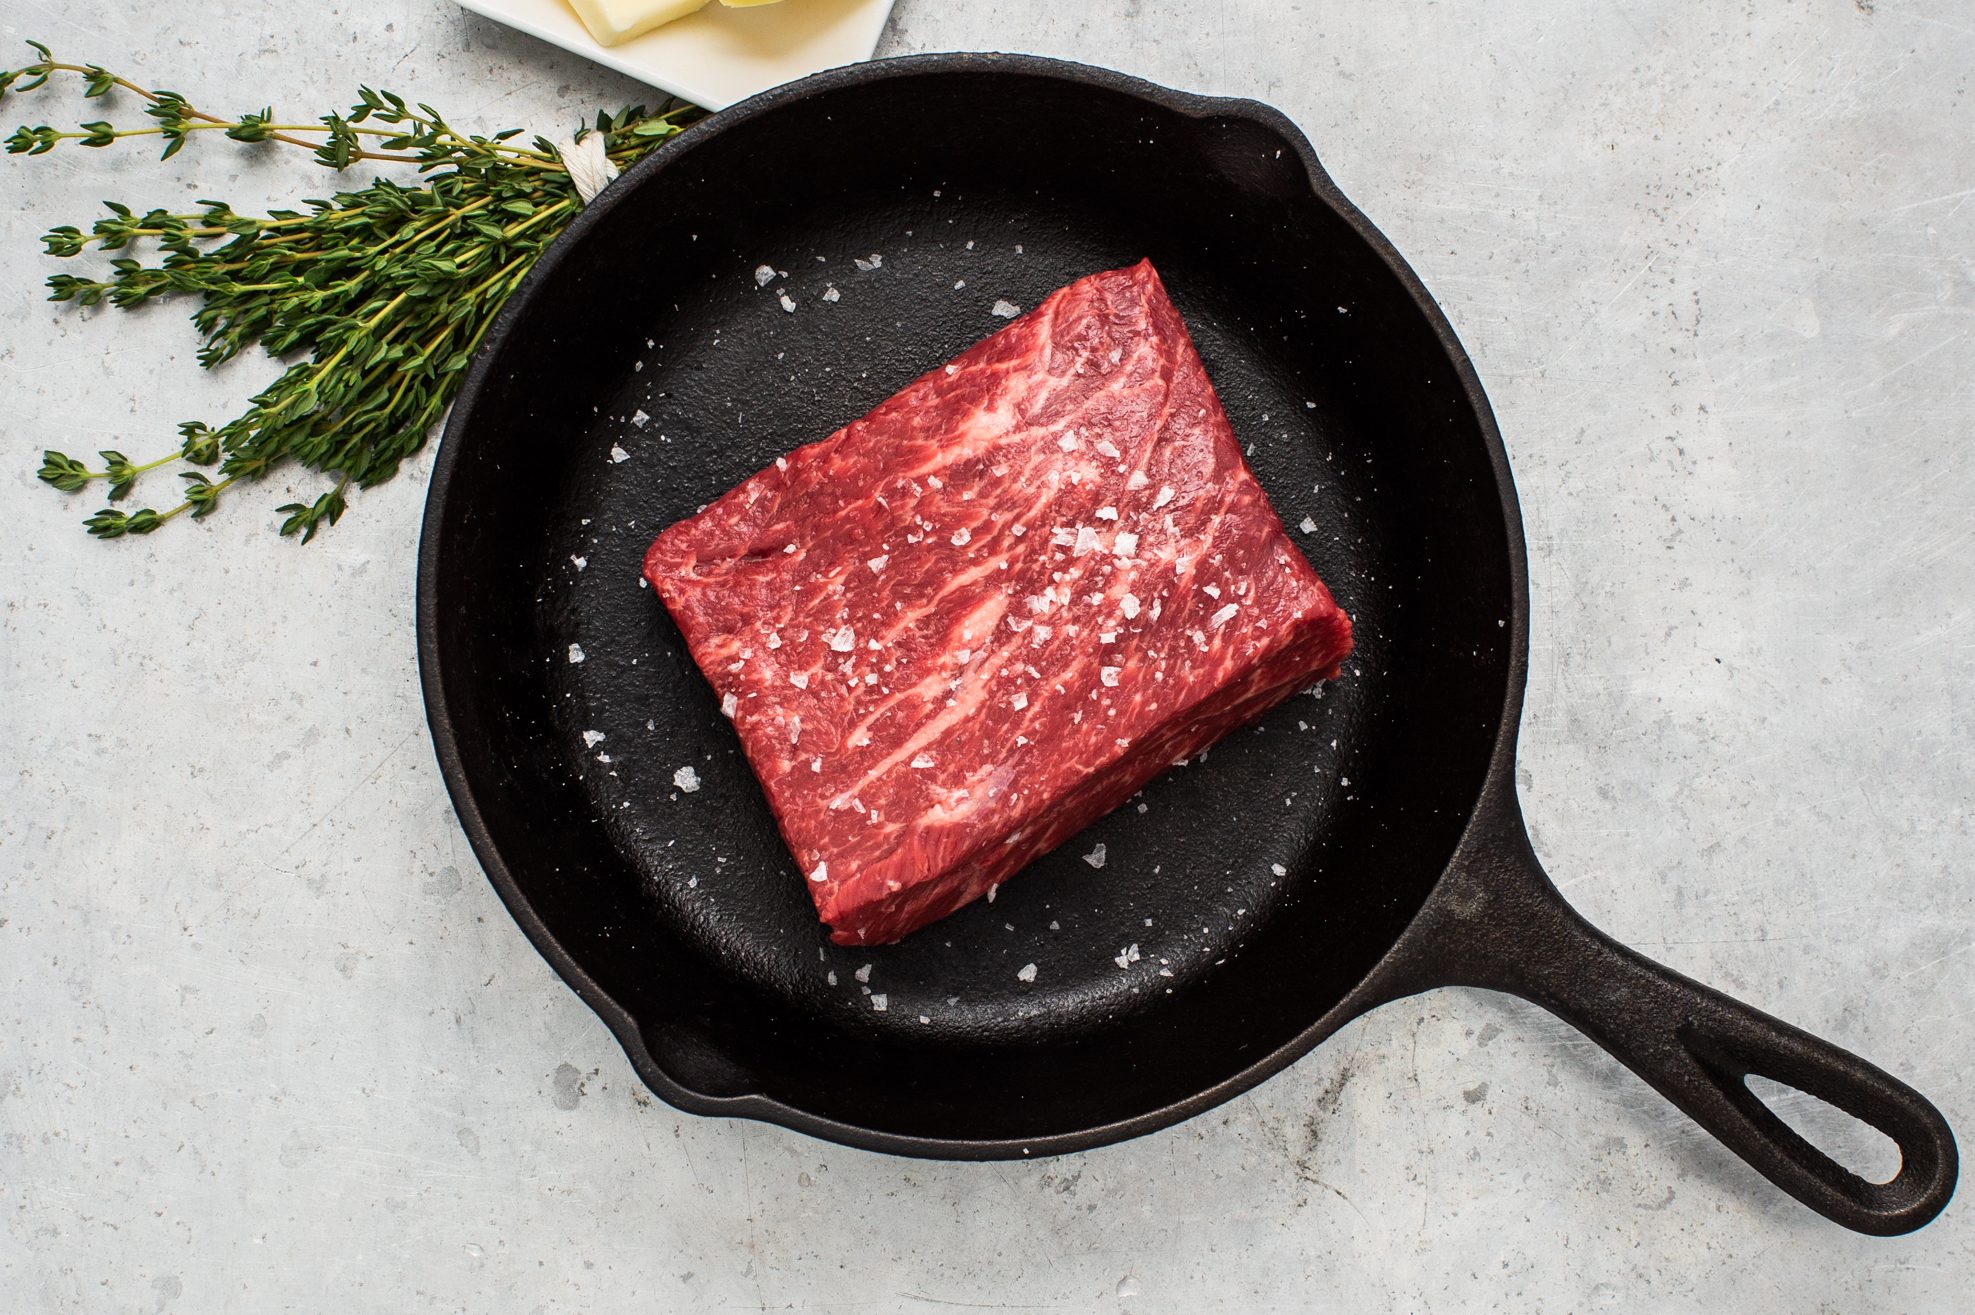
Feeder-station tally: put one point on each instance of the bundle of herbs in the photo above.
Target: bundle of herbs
(376, 297)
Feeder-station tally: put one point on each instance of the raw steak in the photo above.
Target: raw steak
(956, 631)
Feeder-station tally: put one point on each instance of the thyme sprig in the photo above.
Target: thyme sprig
(377, 296)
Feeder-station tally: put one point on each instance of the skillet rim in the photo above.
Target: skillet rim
(1398, 967)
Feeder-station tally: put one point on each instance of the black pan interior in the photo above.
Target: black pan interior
(648, 368)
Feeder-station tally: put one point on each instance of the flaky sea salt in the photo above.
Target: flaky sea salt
(1006, 309)
(922, 762)
(821, 872)
(640, 418)
(591, 739)
(1225, 615)
(618, 455)
(729, 705)
(1129, 606)
(763, 275)
(576, 653)
(686, 778)
(1026, 973)
(1307, 525)
(1095, 857)
(831, 294)
(867, 264)
(788, 302)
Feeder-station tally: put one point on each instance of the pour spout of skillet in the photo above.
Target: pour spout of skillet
(1498, 922)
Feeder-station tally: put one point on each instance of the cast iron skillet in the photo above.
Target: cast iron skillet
(1350, 850)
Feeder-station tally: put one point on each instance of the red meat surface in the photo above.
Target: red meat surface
(957, 631)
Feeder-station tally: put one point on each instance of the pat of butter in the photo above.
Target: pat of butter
(614, 21)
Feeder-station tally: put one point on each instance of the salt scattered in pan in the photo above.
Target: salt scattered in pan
(686, 778)
(1027, 973)
(863, 974)
(1308, 526)
(831, 294)
(959, 284)
(575, 652)
(1095, 857)
(591, 739)
(879, 1002)
(1279, 869)
(1006, 309)
(618, 454)
(581, 562)
(640, 418)
(788, 303)
(875, 261)
(763, 275)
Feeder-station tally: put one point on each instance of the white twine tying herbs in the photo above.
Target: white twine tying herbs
(588, 163)
(382, 293)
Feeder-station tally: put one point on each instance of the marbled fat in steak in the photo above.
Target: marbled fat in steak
(955, 632)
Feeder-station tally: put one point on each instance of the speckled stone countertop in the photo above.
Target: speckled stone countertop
(268, 1042)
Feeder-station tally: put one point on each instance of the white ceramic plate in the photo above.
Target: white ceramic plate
(718, 55)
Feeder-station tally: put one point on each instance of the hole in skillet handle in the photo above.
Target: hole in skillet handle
(1497, 922)
(1852, 1142)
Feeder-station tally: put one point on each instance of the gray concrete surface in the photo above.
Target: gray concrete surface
(268, 1042)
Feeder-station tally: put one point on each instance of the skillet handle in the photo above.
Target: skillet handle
(1499, 923)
